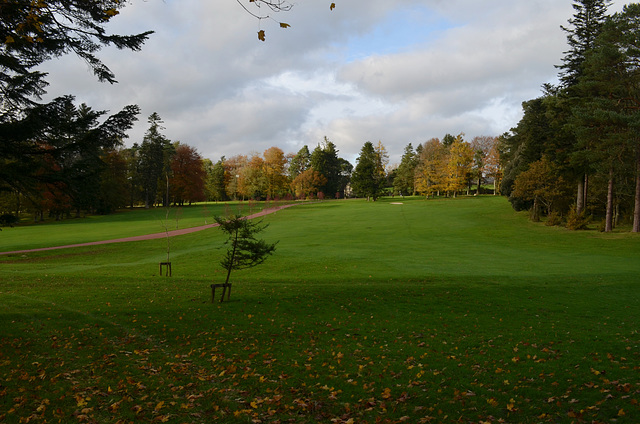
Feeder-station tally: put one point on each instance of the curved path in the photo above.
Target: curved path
(149, 236)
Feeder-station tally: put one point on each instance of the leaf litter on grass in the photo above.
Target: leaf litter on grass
(350, 364)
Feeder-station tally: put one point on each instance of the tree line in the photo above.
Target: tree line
(51, 154)
(575, 154)
(98, 177)
(434, 168)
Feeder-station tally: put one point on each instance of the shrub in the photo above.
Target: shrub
(7, 220)
(553, 219)
(577, 221)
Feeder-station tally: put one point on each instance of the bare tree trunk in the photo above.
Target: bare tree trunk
(608, 226)
(636, 211)
(535, 210)
(585, 192)
(580, 197)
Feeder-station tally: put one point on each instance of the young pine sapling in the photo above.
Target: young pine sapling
(244, 251)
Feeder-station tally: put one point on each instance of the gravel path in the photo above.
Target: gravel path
(148, 236)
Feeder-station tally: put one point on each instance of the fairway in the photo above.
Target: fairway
(402, 310)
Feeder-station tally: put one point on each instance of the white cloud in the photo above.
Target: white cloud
(399, 72)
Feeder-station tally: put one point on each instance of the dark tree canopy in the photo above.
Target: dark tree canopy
(32, 32)
(324, 159)
(154, 159)
(55, 143)
(585, 26)
(403, 182)
(300, 162)
(366, 180)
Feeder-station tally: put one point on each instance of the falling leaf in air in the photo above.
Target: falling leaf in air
(283, 25)
(333, 6)
(261, 35)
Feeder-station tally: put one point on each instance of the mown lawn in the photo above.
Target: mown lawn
(430, 311)
(124, 223)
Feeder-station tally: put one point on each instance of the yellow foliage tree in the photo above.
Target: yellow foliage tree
(275, 177)
(458, 168)
(430, 171)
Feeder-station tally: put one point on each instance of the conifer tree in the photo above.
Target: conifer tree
(585, 26)
(366, 180)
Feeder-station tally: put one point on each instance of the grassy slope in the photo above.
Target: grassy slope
(426, 311)
(125, 223)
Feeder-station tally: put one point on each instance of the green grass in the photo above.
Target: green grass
(430, 311)
(124, 223)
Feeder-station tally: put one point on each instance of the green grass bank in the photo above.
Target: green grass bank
(455, 310)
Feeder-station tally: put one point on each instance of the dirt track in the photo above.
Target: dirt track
(148, 236)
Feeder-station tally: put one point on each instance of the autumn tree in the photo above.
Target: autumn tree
(275, 162)
(306, 183)
(542, 185)
(430, 170)
(215, 185)
(187, 175)
(253, 181)
(234, 176)
(493, 165)
(458, 167)
(482, 147)
(526, 143)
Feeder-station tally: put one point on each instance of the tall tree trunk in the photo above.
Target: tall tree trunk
(636, 211)
(585, 192)
(18, 203)
(535, 210)
(580, 196)
(608, 226)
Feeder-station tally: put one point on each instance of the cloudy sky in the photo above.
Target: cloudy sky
(399, 71)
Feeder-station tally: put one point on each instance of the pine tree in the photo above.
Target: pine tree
(300, 162)
(585, 26)
(366, 180)
(155, 153)
(245, 251)
(404, 181)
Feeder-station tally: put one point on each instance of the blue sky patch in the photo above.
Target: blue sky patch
(399, 32)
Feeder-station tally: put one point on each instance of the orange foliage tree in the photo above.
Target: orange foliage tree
(188, 178)
(307, 183)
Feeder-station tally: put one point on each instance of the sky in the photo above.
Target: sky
(399, 72)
